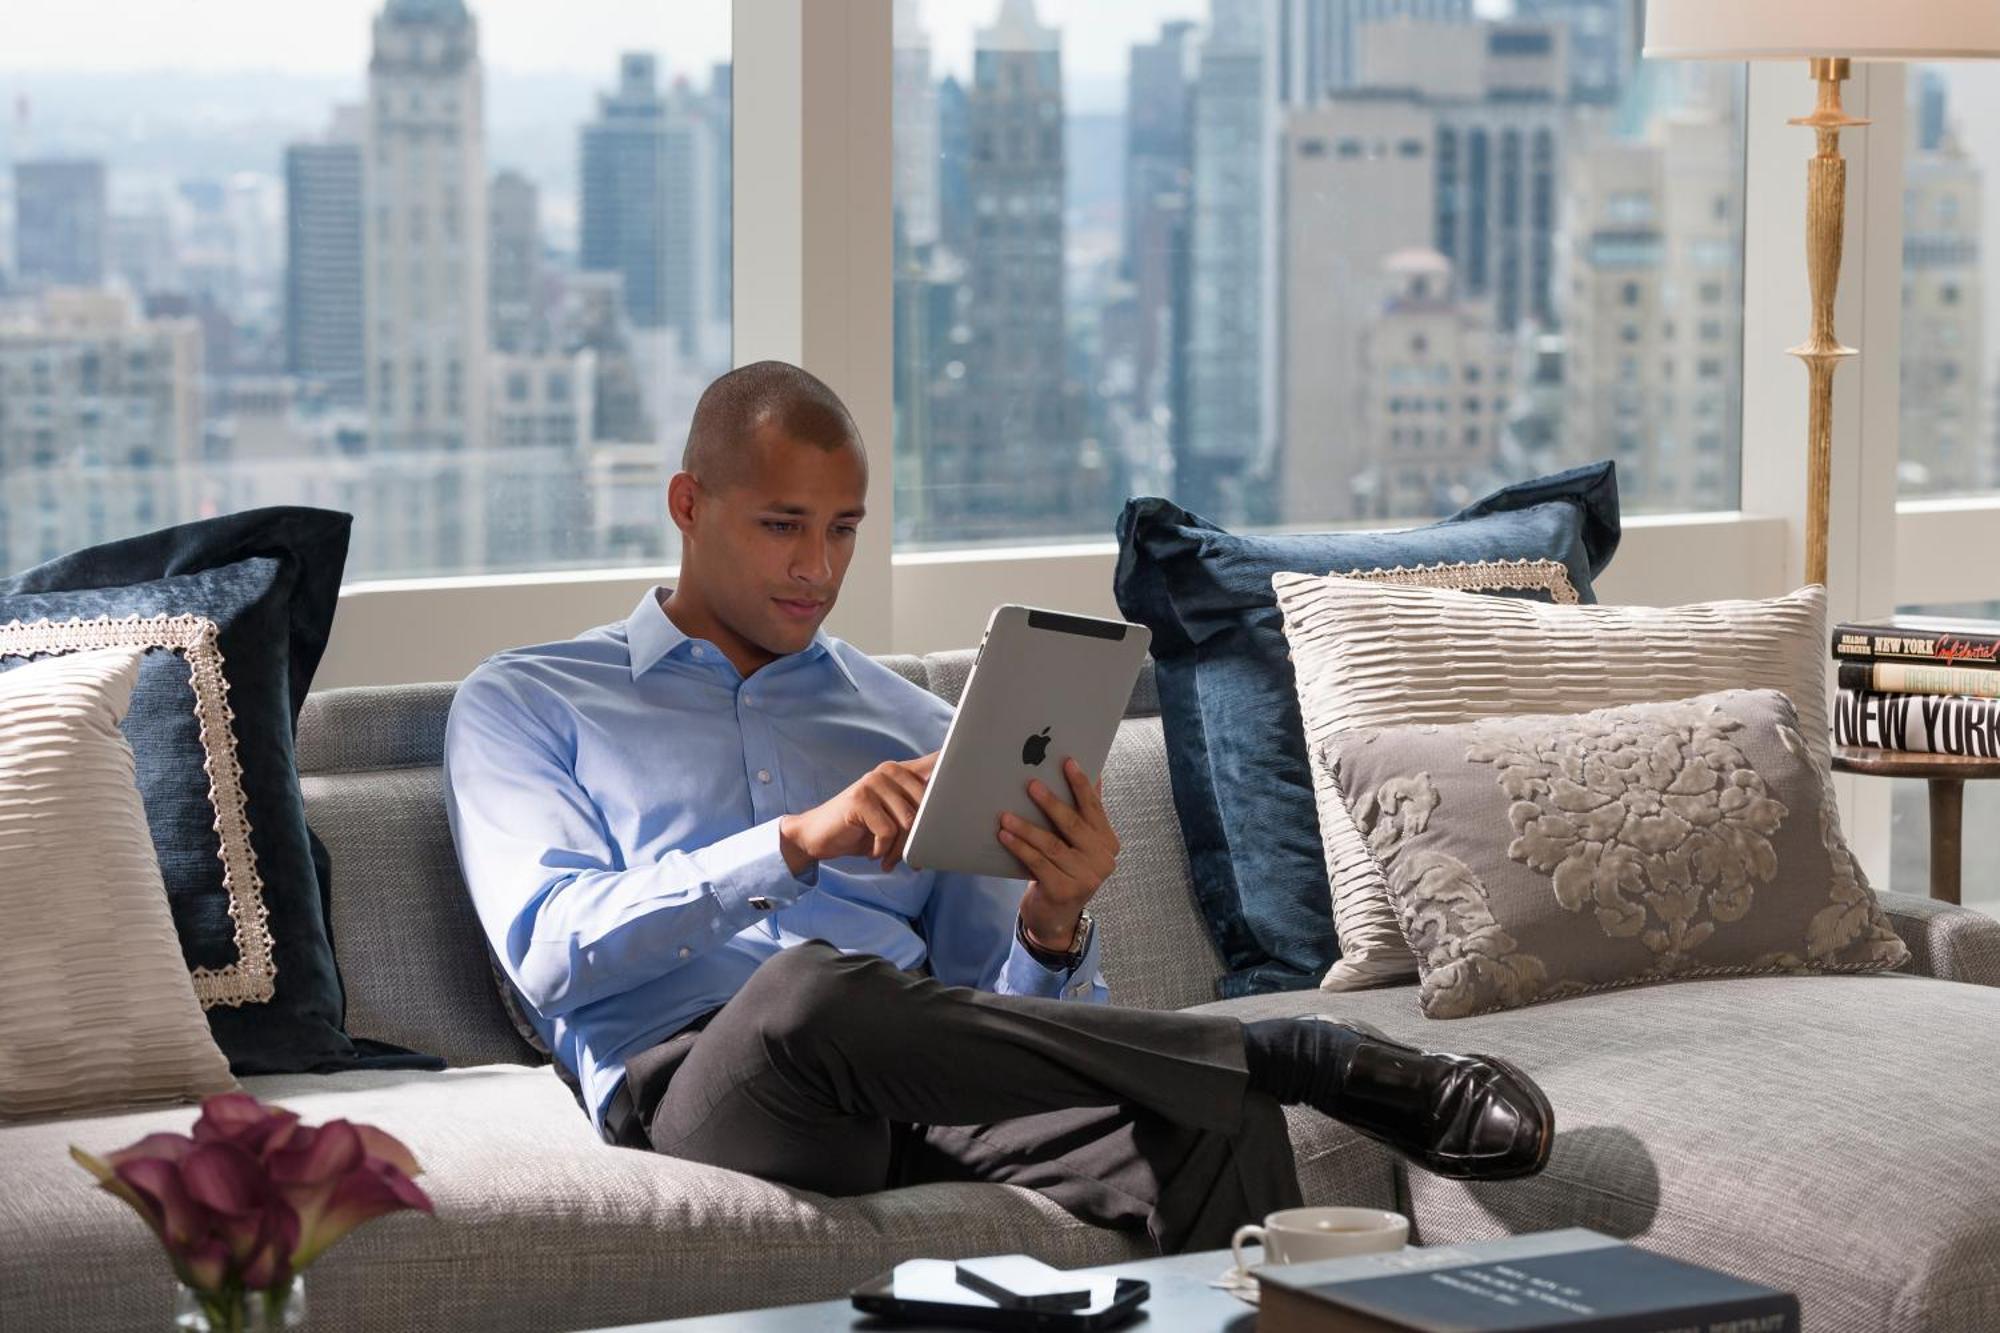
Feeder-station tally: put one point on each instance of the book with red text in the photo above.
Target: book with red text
(1923, 639)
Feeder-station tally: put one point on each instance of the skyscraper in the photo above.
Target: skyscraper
(1316, 43)
(722, 120)
(954, 158)
(425, 237)
(1159, 177)
(324, 340)
(648, 201)
(514, 287)
(59, 223)
(1009, 460)
(1604, 41)
(1223, 429)
(1358, 188)
(915, 132)
(1947, 443)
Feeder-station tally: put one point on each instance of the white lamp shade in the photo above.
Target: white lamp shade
(1802, 29)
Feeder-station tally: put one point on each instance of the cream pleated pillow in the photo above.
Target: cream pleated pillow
(1374, 655)
(96, 1005)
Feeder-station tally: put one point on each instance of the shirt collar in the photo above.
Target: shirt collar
(650, 634)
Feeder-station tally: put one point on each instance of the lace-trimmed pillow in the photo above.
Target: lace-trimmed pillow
(231, 615)
(1535, 858)
(1367, 655)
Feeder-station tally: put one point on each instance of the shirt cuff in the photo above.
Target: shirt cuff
(1024, 975)
(748, 875)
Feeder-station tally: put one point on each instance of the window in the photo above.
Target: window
(470, 303)
(1154, 336)
(1951, 347)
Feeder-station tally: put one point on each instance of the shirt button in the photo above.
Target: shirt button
(686, 952)
(700, 651)
(763, 775)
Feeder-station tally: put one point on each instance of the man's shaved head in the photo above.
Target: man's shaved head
(737, 409)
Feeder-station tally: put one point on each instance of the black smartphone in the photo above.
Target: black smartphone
(964, 1307)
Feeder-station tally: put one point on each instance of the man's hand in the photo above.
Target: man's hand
(871, 818)
(1068, 865)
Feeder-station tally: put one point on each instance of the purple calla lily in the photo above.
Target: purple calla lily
(253, 1196)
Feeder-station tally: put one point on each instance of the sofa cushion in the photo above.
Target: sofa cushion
(1825, 1135)
(538, 1223)
(234, 614)
(96, 1004)
(1543, 856)
(1370, 656)
(1240, 776)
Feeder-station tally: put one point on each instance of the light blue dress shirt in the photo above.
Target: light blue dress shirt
(615, 802)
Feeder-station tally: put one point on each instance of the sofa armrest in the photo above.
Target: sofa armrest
(1946, 942)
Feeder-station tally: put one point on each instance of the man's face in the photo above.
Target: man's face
(770, 550)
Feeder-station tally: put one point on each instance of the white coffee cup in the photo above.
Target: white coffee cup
(1298, 1235)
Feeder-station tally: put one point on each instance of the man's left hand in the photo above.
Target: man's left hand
(1068, 865)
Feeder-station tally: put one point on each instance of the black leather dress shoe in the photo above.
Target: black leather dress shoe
(1465, 1117)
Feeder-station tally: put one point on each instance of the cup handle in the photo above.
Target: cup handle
(1245, 1235)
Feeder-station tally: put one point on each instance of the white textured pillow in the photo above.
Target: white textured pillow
(96, 1004)
(1370, 655)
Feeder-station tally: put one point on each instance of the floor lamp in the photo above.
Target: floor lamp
(1826, 34)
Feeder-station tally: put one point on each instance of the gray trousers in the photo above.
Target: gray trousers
(844, 1075)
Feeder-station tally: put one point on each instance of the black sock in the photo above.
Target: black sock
(1298, 1061)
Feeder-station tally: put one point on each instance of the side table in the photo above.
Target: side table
(1947, 775)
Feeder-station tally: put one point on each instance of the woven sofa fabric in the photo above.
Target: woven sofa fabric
(1371, 655)
(539, 1225)
(1825, 1135)
(233, 613)
(1224, 683)
(1945, 941)
(96, 1005)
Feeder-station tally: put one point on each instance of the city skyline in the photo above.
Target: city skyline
(1458, 245)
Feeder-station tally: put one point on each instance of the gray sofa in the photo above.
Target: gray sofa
(1839, 1137)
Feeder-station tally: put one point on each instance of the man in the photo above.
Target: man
(683, 835)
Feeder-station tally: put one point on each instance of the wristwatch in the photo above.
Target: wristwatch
(1058, 961)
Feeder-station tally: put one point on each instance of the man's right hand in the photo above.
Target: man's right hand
(871, 818)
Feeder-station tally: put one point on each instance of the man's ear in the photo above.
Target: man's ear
(683, 496)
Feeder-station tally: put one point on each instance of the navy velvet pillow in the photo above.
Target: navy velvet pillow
(1235, 744)
(234, 613)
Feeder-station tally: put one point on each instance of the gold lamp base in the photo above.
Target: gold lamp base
(1826, 211)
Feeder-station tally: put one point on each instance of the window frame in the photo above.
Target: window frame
(812, 124)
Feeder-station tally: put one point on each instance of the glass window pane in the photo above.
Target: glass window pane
(1949, 373)
(458, 268)
(1304, 262)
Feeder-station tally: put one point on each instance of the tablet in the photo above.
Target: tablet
(1045, 686)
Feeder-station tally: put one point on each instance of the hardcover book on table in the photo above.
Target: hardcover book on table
(1575, 1280)
(1935, 640)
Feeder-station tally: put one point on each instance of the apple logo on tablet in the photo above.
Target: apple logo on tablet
(1035, 748)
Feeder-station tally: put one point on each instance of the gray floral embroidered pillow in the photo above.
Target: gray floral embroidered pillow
(1538, 857)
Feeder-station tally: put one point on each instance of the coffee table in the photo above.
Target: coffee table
(1181, 1302)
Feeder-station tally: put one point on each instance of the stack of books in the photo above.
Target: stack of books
(1919, 684)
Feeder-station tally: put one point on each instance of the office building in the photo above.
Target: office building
(425, 232)
(1006, 457)
(1358, 185)
(100, 422)
(1221, 434)
(60, 223)
(1435, 392)
(1947, 441)
(515, 271)
(1604, 41)
(1316, 42)
(1159, 179)
(915, 127)
(325, 342)
(648, 201)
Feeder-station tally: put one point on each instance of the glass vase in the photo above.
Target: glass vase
(241, 1311)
